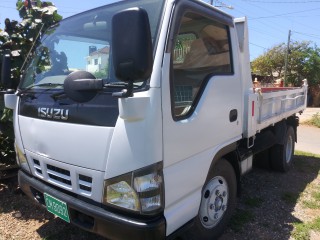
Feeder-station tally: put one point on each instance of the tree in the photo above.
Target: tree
(271, 62)
(18, 39)
(303, 62)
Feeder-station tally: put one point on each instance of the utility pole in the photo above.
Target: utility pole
(286, 60)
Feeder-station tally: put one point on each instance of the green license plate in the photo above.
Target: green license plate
(57, 207)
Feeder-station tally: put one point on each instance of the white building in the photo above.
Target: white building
(98, 60)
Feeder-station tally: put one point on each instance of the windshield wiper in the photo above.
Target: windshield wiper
(127, 88)
(51, 85)
(119, 85)
(84, 86)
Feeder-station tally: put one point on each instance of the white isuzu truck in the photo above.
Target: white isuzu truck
(136, 120)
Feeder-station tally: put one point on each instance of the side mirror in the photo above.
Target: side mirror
(6, 71)
(82, 86)
(132, 45)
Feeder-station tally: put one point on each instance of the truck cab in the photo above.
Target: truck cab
(131, 120)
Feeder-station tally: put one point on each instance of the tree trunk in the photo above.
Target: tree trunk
(314, 96)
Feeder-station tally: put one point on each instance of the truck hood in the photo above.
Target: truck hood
(66, 131)
(80, 145)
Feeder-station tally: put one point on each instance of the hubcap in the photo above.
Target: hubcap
(289, 149)
(214, 202)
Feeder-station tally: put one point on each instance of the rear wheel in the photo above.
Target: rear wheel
(281, 155)
(218, 202)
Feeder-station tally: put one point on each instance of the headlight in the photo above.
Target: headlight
(21, 159)
(121, 194)
(139, 191)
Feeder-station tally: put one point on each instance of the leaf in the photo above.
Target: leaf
(25, 22)
(57, 17)
(49, 10)
(18, 38)
(48, 3)
(7, 115)
(19, 4)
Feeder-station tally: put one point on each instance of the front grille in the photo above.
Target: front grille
(85, 183)
(58, 174)
(60, 179)
(63, 177)
(58, 170)
(37, 166)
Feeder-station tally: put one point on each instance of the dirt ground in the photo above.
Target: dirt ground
(269, 206)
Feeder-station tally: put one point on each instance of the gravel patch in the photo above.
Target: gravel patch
(269, 205)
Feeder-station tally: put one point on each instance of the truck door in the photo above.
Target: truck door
(202, 103)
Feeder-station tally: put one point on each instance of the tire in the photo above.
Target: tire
(281, 155)
(218, 201)
(262, 160)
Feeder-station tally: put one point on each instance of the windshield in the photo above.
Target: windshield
(82, 42)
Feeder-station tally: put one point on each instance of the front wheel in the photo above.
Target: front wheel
(282, 154)
(218, 202)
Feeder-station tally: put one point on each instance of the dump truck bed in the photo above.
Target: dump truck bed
(268, 106)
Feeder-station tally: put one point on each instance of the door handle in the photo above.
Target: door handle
(233, 115)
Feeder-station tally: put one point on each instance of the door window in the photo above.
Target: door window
(201, 50)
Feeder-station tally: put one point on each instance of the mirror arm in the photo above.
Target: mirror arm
(8, 91)
(125, 93)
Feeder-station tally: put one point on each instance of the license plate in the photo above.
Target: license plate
(57, 207)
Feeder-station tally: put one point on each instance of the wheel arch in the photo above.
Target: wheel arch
(229, 153)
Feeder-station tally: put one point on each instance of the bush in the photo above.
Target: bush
(315, 120)
(18, 39)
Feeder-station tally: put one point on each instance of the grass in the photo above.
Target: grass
(240, 218)
(253, 202)
(310, 199)
(313, 200)
(314, 121)
(306, 154)
(290, 197)
(302, 163)
(302, 230)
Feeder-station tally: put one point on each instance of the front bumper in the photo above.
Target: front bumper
(96, 219)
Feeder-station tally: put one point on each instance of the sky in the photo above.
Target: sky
(269, 20)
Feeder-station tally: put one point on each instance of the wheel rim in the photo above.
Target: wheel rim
(214, 202)
(289, 149)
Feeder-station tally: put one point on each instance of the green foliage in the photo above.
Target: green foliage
(240, 218)
(290, 197)
(6, 151)
(271, 62)
(303, 62)
(6, 138)
(254, 202)
(302, 230)
(17, 39)
(313, 202)
(306, 154)
(101, 74)
(315, 120)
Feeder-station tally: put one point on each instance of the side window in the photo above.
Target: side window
(201, 50)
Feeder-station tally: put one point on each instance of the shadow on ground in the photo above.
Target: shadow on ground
(265, 208)
(268, 200)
